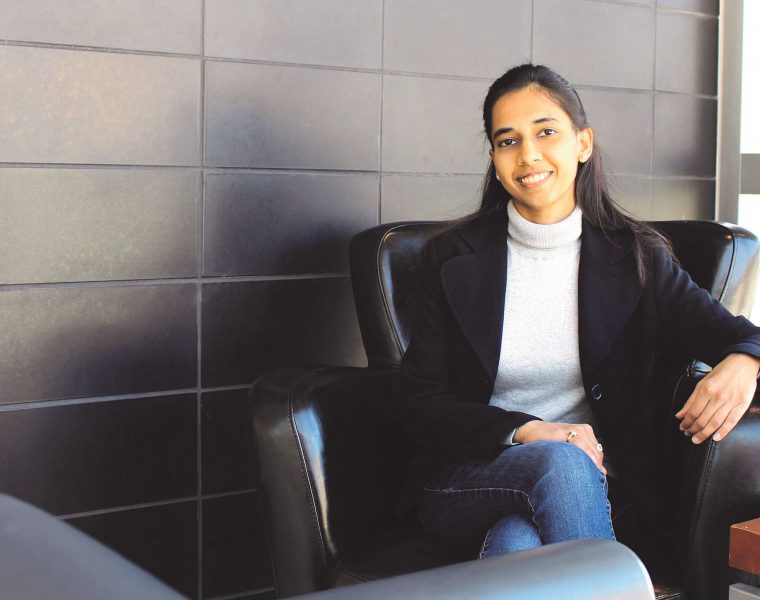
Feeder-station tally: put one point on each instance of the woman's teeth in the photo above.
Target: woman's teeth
(531, 179)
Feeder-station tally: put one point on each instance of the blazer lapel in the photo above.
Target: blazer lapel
(608, 291)
(475, 283)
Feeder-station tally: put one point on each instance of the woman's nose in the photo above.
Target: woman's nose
(529, 152)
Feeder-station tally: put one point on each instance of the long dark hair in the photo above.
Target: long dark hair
(591, 188)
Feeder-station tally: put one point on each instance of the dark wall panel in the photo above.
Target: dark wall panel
(80, 457)
(163, 540)
(291, 117)
(687, 54)
(343, 33)
(252, 327)
(166, 26)
(595, 43)
(634, 194)
(680, 150)
(277, 224)
(235, 555)
(451, 37)
(416, 197)
(703, 6)
(97, 224)
(63, 106)
(227, 454)
(91, 341)
(675, 199)
(622, 124)
(433, 125)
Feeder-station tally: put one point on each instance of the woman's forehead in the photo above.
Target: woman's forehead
(524, 106)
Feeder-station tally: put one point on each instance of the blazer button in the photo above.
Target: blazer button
(596, 392)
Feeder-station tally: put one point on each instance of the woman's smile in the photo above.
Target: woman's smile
(533, 180)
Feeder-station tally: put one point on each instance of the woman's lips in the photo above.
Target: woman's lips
(534, 179)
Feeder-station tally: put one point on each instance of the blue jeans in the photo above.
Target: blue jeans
(529, 495)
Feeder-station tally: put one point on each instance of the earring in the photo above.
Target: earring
(497, 177)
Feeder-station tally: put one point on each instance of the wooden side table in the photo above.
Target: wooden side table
(744, 554)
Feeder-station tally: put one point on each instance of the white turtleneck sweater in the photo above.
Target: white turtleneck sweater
(539, 367)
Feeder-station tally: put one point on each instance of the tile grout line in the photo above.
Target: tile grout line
(532, 25)
(379, 215)
(199, 298)
(126, 507)
(665, 9)
(653, 104)
(40, 404)
(382, 72)
(155, 504)
(168, 281)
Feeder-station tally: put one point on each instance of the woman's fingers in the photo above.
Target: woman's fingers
(710, 410)
(731, 420)
(711, 419)
(578, 434)
(586, 441)
(720, 399)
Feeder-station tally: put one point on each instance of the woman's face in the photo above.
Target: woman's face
(536, 151)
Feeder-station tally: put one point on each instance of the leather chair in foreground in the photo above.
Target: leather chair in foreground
(42, 558)
(332, 452)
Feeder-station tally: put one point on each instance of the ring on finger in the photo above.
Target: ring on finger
(572, 435)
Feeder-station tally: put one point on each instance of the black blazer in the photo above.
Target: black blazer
(451, 363)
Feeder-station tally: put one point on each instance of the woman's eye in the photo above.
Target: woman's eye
(507, 142)
(547, 131)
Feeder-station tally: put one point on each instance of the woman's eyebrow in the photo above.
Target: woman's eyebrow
(504, 130)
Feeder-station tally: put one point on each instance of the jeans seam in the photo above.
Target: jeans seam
(533, 518)
(605, 489)
(484, 546)
(477, 489)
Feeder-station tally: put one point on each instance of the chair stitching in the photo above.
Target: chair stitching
(386, 307)
(731, 265)
(702, 483)
(304, 472)
(702, 490)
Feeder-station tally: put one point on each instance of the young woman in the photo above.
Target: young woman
(529, 376)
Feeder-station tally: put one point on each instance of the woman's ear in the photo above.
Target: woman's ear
(585, 144)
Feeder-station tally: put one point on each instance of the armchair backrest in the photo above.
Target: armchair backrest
(720, 257)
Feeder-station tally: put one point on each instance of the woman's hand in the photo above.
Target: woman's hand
(538, 431)
(720, 398)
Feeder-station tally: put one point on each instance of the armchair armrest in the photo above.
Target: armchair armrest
(329, 447)
(593, 569)
(719, 486)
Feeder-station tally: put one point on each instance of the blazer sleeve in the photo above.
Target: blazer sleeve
(695, 322)
(441, 419)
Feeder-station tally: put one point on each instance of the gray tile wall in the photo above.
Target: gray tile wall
(178, 185)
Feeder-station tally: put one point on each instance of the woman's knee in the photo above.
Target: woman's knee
(566, 462)
(563, 453)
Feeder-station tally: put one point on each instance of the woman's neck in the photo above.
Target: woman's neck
(540, 236)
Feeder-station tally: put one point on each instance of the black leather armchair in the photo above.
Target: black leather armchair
(332, 453)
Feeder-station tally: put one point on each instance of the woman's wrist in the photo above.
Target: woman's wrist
(518, 436)
(750, 361)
